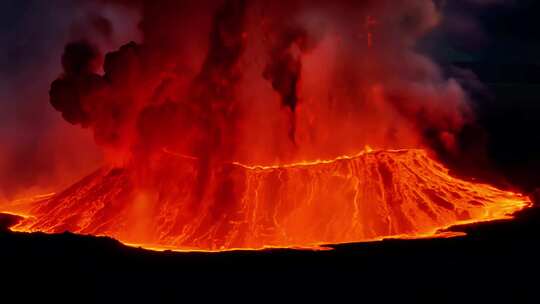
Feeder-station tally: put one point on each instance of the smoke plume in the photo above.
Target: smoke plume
(264, 82)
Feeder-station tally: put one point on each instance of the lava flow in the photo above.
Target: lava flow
(373, 195)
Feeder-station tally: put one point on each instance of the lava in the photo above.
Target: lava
(369, 196)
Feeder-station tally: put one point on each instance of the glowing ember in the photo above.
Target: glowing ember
(373, 195)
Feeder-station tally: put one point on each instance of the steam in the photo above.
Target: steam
(285, 67)
(258, 81)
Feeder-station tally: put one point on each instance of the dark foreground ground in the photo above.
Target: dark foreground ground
(496, 262)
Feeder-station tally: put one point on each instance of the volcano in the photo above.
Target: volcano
(206, 120)
(369, 196)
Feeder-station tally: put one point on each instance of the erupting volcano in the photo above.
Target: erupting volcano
(226, 127)
(372, 195)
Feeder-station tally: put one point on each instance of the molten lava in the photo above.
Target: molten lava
(369, 196)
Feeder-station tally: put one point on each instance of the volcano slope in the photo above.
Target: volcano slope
(370, 196)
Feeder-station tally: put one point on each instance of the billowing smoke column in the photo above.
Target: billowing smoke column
(263, 81)
(284, 69)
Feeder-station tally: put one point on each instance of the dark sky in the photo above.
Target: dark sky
(500, 31)
(33, 33)
(37, 147)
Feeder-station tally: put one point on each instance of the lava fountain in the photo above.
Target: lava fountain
(216, 86)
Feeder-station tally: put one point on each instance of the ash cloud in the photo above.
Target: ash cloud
(207, 110)
(79, 79)
(263, 82)
(284, 68)
(353, 74)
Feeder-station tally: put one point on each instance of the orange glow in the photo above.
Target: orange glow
(369, 196)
